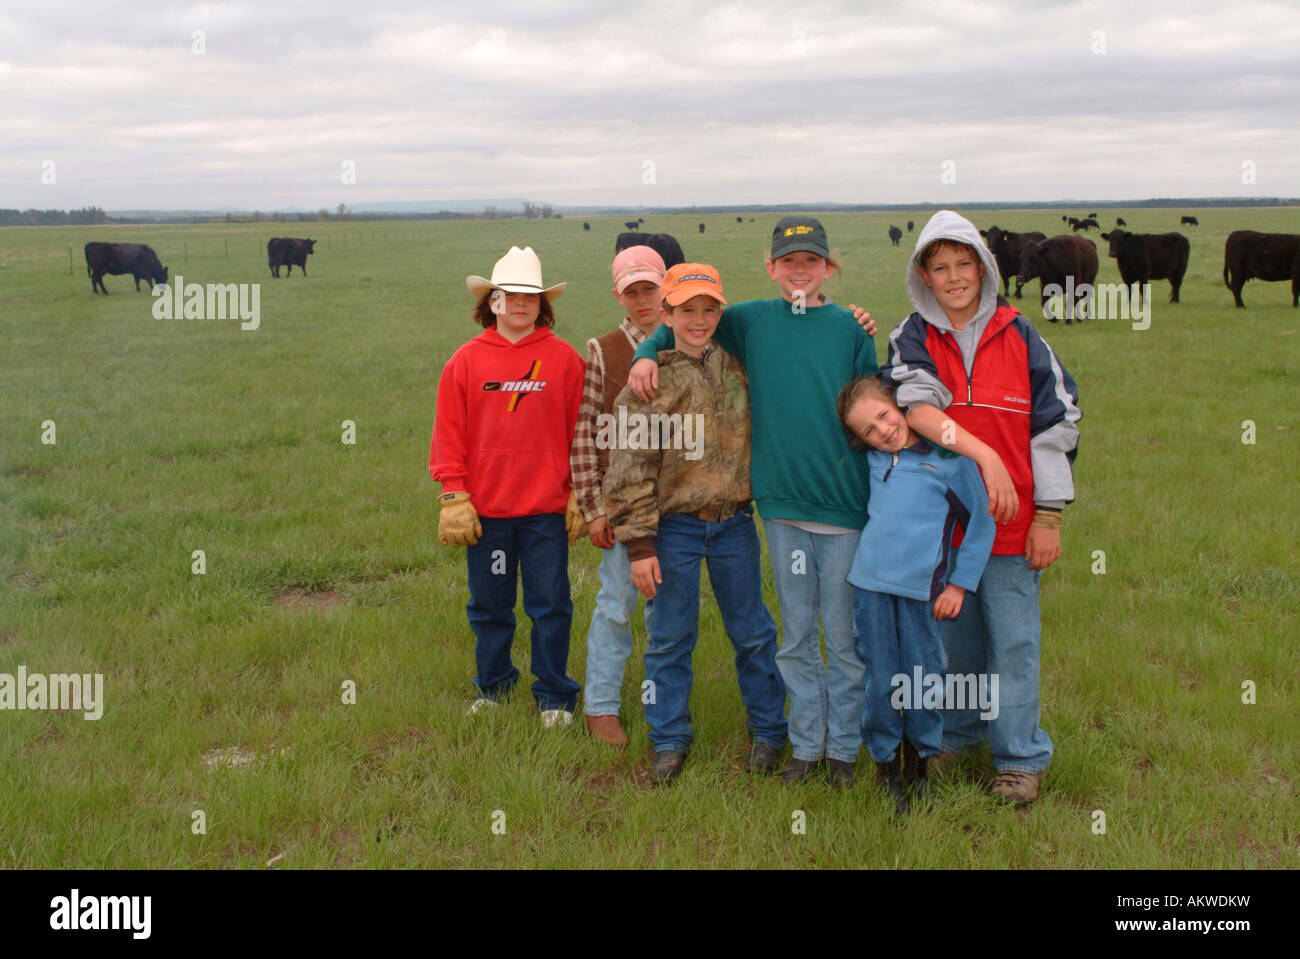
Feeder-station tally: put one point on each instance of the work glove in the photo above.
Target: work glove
(458, 523)
(573, 521)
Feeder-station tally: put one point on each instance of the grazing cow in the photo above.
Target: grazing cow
(1119, 221)
(701, 227)
(1062, 217)
(665, 244)
(910, 224)
(586, 227)
(1188, 221)
(895, 234)
(1006, 248)
(288, 251)
(640, 219)
(1261, 256)
(1143, 257)
(1088, 224)
(1075, 223)
(1092, 216)
(632, 224)
(1056, 260)
(118, 258)
(740, 219)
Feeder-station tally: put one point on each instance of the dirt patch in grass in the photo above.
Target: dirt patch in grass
(8, 639)
(305, 599)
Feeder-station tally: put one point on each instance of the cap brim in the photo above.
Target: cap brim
(689, 290)
(651, 276)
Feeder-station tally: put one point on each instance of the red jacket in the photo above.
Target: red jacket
(505, 421)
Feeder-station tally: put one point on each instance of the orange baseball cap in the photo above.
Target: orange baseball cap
(686, 280)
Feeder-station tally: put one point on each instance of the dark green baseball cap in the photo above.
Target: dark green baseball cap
(795, 234)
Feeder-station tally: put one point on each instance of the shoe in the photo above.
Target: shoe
(608, 730)
(887, 775)
(764, 758)
(1017, 785)
(667, 766)
(556, 717)
(839, 773)
(943, 763)
(920, 784)
(479, 705)
(797, 770)
(910, 759)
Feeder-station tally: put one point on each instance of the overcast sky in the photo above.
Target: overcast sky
(655, 103)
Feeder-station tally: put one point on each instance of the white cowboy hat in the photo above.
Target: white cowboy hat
(519, 271)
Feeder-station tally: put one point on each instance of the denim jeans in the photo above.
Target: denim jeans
(998, 633)
(732, 551)
(826, 698)
(896, 634)
(536, 548)
(609, 640)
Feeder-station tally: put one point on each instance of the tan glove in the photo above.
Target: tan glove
(573, 521)
(458, 523)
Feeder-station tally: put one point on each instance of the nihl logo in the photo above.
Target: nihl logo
(528, 384)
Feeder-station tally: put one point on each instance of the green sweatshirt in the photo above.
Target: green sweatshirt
(802, 466)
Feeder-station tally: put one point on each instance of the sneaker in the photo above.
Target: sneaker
(797, 770)
(479, 705)
(1017, 785)
(556, 717)
(608, 730)
(764, 758)
(839, 773)
(887, 775)
(667, 766)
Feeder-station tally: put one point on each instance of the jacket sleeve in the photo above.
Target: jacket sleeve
(660, 339)
(632, 484)
(573, 395)
(584, 460)
(973, 554)
(912, 370)
(449, 452)
(1053, 423)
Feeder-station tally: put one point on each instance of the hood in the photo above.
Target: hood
(490, 337)
(948, 225)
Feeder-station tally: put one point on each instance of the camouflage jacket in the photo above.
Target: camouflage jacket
(685, 451)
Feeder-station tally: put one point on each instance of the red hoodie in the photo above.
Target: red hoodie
(505, 421)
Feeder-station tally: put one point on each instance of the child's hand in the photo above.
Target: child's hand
(1004, 504)
(645, 573)
(644, 378)
(602, 537)
(864, 319)
(1042, 547)
(948, 605)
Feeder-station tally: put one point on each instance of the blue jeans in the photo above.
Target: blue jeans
(731, 548)
(826, 698)
(536, 548)
(896, 634)
(609, 641)
(998, 633)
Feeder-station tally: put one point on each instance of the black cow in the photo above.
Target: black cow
(118, 258)
(1188, 221)
(586, 227)
(1006, 248)
(1056, 260)
(740, 219)
(1143, 257)
(1119, 221)
(1092, 216)
(1088, 224)
(1062, 217)
(640, 219)
(1261, 256)
(910, 224)
(895, 234)
(701, 227)
(1074, 222)
(665, 244)
(288, 251)
(632, 224)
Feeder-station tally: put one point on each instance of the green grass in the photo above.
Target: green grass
(323, 566)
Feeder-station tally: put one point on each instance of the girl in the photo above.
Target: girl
(507, 407)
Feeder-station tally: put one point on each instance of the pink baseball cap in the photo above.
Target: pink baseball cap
(635, 264)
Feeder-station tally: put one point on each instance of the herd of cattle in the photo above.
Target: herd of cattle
(1141, 257)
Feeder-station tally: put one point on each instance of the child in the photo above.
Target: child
(975, 377)
(810, 485)
(907, 575)
(507, 406)
(638, 271)
(683, 497)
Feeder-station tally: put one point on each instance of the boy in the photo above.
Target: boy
(975, 377)
(638, 272)
(678, 493)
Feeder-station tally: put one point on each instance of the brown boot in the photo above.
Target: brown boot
(608, 730)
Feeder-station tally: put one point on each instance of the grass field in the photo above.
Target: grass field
(323, 567)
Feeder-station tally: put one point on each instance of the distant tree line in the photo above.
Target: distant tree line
(82, 217)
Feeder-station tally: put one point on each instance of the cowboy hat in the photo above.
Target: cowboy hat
(519, 271)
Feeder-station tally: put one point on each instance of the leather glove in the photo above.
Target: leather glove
(573, 521)
(458, 523)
